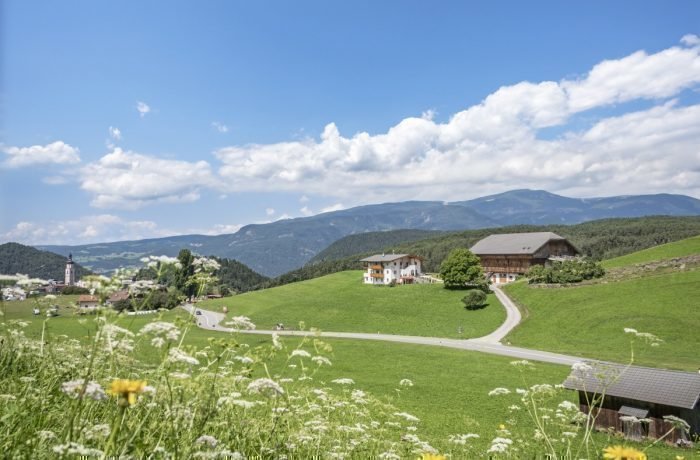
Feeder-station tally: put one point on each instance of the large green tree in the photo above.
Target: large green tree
(462, 269)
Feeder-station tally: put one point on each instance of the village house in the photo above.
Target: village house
(392, 268)
(636, 399)
(506, 256)
(117, 296)
(88, 302)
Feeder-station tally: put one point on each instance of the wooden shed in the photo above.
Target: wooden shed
(506, 256)
(636, 399)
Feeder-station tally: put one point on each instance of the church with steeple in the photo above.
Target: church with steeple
(70, 271)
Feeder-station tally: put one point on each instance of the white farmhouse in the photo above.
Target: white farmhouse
(388, 268)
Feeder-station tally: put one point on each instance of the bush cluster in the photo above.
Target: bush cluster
(569, 271)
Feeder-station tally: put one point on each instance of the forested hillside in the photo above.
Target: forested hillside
(237, 277)
(18, 258)
(601, 239)
(371, 241)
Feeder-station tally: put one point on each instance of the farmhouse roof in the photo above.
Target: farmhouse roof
(87, 298)
(514, 243)
(119, 295)
(658, 386)
(387, 257)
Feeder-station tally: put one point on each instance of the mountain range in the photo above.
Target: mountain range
(278, 247)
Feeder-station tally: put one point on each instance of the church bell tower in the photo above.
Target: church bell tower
(70, 271)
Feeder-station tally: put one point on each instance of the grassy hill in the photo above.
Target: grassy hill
(341, 302)
(18, 258)
(589, 320)
(662, 252)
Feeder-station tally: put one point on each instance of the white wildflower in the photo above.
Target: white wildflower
(405, 383)
(582, 368)
(76, 388)
(462, 439)
(567, 405)
(569, 434)
(499, 445)
(158, 342)
(179, 375)
(629, 330)
(499, 391)
(244, 359)
(240, 322)
(210, 441)
(321, 360)
(300, 354)
(163, 329)
(265, 386)
(407, 416)
(343, 381)
(177, 355)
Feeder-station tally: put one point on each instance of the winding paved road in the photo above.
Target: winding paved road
(487, 344)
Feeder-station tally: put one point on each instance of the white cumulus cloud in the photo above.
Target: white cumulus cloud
(220, 127)
(54, 153)
(142, 108)
(123, 179)
(84, 229)
(115, 133)
(499, 144)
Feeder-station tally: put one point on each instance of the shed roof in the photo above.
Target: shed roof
(514, 243)
(387, 257)
(658, 386)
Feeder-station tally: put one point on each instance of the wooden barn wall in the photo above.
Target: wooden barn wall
(607, 415)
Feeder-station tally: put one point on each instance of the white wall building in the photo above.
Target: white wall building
(70, 271)
(388, 268)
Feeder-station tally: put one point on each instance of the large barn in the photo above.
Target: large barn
(506, 256)
(639, 400)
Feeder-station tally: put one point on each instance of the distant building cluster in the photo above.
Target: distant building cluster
(25, 286)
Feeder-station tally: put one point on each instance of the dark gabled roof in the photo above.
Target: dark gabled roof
(514, 243)
(658, 386)
(387, 257)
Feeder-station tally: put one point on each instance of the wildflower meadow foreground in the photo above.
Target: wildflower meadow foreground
(145, 391)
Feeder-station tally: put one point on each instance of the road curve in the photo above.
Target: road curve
(488, 344)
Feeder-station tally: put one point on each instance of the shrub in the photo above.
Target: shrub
(474, 299)
(568, 271)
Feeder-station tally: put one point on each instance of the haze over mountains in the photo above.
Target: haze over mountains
(277, 247)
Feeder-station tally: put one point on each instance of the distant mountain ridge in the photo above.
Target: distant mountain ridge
(278, 247)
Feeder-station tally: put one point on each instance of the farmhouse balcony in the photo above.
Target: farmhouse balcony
(376, 267)
(377, 275)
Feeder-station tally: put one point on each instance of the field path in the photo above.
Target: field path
(211, 320)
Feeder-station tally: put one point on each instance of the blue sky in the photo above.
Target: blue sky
(256, 111)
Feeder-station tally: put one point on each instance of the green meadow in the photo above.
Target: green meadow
(449, 392)
(682, 248)
(589, 320)
(341, 302)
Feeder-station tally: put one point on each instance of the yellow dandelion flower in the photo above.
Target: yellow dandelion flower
(427, 456)
(501, 427)
(127, 390)
(623, 453)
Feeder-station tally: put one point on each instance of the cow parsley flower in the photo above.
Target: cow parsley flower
(79, 388)
(407, 416)
(241, 323)
(405, 383)
(300, 354)
(499, 391)
(210, 441)
(343, 381)
(321, 360)
(177, 355)
(266, 387)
